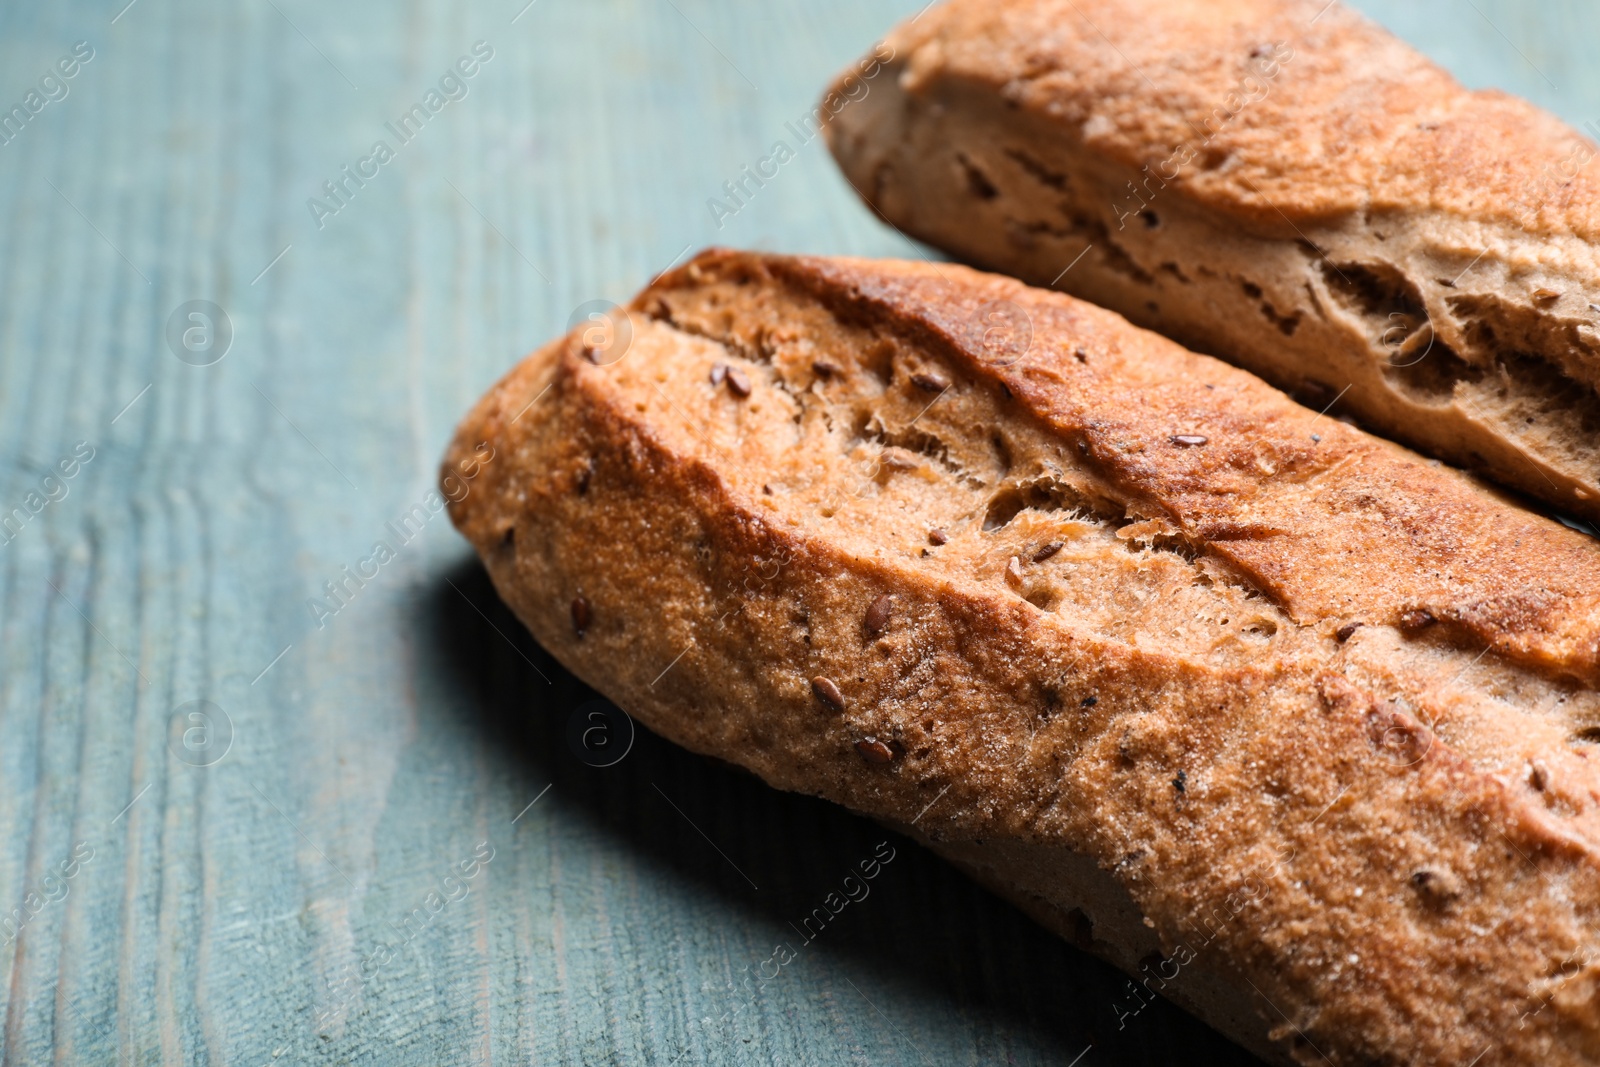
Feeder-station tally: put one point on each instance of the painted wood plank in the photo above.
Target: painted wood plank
(254, 887)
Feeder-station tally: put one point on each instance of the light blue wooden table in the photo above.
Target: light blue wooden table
(237, 828)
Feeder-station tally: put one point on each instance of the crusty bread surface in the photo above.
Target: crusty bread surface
(1293, 725)
(1277, 182)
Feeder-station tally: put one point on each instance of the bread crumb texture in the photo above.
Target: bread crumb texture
(969, 541)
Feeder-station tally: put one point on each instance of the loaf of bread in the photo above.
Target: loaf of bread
(1277, 182)
(1293, 725)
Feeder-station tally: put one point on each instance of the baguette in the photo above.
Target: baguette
(1291, 724)
(1276, 182)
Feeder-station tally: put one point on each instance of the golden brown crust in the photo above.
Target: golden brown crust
(1276, 182)
(1385, 838)
(1363, 124)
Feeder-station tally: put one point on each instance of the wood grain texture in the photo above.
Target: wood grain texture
(222, 908)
